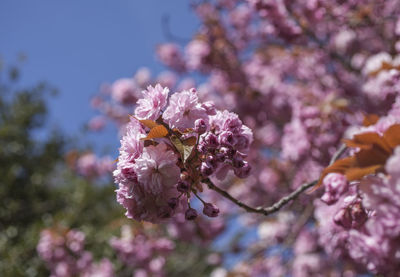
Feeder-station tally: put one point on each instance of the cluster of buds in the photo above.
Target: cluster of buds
(171, 146)
(223, 147)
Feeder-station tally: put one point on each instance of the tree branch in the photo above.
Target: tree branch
(277, 205)
(260, 210)
(338, 153)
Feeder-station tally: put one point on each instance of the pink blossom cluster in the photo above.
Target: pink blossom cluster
(360, 218)
(301, 75)
(146, 256)
(157, 178)
(64, 254)
(90, 165)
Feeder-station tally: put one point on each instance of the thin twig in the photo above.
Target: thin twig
(165, 25)
(277, 205)
(260, 210)
(338, 153)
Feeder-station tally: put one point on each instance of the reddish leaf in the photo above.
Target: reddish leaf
(149, 123)
(367, 140)
(158, 131)
(340, 166)
(370, 159)
(190, 141)
(356, 173)
(392, 135)
(370, 119)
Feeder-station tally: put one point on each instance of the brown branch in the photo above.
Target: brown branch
(338, 153)
(277, 205)
(260, 210)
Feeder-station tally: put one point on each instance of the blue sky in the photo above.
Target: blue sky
(76, 45)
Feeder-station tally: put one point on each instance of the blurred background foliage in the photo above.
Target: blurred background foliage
(39, 190)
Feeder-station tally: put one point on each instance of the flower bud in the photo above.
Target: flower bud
(190, 214)
(343, 218)
(173, 202)
(210, 210)
(202, 148)
(335, 185)
(212, 161)
(228, 152)
(226, 138)
(358, 214)
(237, 161)
(183, 186)
(219, 157)
(233, 123)
(244, 171)
(241, 142)
(206, 169)
(211, 140)
(209, 106)
(200, 126)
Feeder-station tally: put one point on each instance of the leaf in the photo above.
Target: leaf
(184, 150)
(186, 131)
(368, 141)
(372, 156)
(187, 151)
(178, 144)
(392, 135)
(147, 122)
(357, 173)
(190, 141)
(370, 159)
(340, 166)
(370, 119)
(158, 131)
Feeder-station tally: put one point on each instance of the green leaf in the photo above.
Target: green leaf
(184, 150)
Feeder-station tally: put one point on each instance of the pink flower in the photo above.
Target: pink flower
(184, 109)
(335, 185)
(131, 145)
(87, 165)
(196, 51)
(392, 164)
(295, 142)
(97, 123)
(226, 121)
(156, 169)
(170, 54)
(131, 148)
(124, 91)
(142, 77)
(155, 99)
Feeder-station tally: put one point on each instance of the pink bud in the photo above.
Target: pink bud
(173, 202)
(200, 126)
(190, 214)
(183, 186)
(210, 210)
